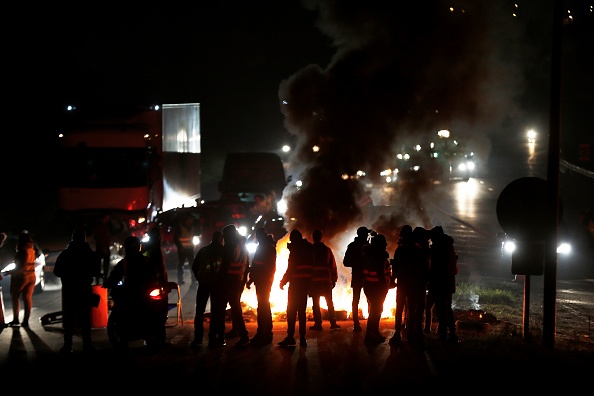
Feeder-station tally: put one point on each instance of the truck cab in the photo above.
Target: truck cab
(257, 180)
(251, 175)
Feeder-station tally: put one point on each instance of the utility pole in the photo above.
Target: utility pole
(550, 265)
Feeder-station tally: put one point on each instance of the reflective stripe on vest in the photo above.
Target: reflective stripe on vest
(387, 273)
(186, 237)
(302, 271)
(320, 274)
(236, 268)
(370, 276)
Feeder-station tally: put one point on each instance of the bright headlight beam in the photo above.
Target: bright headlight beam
(564, 248)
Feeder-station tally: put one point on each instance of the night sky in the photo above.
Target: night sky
(230, 56)
(360, 78)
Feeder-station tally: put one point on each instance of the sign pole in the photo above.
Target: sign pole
(526, 309)
(550, 265)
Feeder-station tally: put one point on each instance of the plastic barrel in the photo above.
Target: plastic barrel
(99, 314)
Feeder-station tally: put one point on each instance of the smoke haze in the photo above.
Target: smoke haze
(400, 70)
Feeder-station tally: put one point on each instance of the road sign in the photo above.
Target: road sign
(523, 207)
(528, 259)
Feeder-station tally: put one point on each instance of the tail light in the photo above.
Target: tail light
(157, 294)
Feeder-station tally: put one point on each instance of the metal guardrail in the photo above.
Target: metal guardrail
(575, 168)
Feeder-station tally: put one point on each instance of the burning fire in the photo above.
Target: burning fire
(342, 294)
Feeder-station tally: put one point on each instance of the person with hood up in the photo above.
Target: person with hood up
(76, 266)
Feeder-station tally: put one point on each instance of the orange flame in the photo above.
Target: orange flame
(342, 294)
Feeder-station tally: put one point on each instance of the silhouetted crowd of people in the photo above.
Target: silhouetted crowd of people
(422, 269)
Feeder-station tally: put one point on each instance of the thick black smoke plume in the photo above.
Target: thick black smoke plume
(401, 70)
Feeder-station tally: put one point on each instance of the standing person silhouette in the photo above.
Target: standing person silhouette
(235, 266)
(298, 276)
(206, 268)
(261, 274)
(402, 261)
(417, 287)
(183, 237)
(3, 324)
(139, 278)
(354, 258)
(377, 274)
(324, 276)
(102, 236)
(442, 281)
(153, 251)
(22, 279)
(76, 266)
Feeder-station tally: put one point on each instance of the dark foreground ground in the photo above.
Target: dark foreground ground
(493, 358)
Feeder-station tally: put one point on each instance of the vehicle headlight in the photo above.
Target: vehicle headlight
(509, 247)
(251, 247)
(564, 248)
(196, 240)
(242, 230)
(9, 267)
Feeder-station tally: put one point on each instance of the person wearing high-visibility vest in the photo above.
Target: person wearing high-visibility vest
(183, 238)
(234, 266)
(298, 276)
(324, 275)
(377, 274)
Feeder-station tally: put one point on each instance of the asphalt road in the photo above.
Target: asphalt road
(333, 362)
